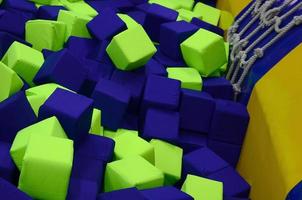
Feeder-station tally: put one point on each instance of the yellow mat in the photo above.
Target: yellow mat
(233, 6)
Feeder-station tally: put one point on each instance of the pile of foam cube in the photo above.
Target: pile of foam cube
(117, 99)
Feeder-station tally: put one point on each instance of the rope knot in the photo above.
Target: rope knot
(259, 52)
(297, 20)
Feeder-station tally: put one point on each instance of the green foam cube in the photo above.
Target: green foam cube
(132, 172)
(96, 127)
(24, 60)
(204, 51)
(10, 82)
(128, 145)
(131, 48)
(47, 127)
(75, 24)
(208, 13)
(202, 189)
(168, 158)
(45, 34)
(227, 50)
(46, 168)
(187, 15)
(114, 134)
(189, 77)
(175, 4)
(80, 7)
(130, 23)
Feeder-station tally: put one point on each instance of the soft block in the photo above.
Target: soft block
(10, 82)
(10, 191)
(204, 51)
(16, 25)
(128, 145)
(205, 25)
(219, 88)
(130, 23)
(165, 193)
(157, 15)
(131, 49)
(153, 67)
(64, 69)
(196, 111)
(96, 127)
(79, 7)
(161, 124)
(132, 172)
(118, 132)
(72, 110)
(190, 141)
(172, 35)
(226, 20)
(128, 193)
(161, 92)
(81, 189)
(46, 177)
(187, 15)
(230, 122)
(168, 158)
(8, 169)
(49, 12)
(15, 114)
(6, 39)
(189, 77)
(113, 100)
(24, 60)
(233, 184)
(111, 25)
(202, 162)
(45, 34)
(201, 188)
(208, 13)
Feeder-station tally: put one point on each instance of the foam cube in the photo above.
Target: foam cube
(165, 193)
(152, 67)
(168, 158)
(167, 61)
(96, 127)
(81, 189)
(202, 162)
(10, 191)
(226, 20)
(6, 39)
(233, 184)
(10, 82)
(45, 34)
(111, 25)
(112, 99)
(132, 172)
(16, 22)
(204, 51)
(190, 141)
(131, 49)
(75, 24)
(131, 121)
(138, 16)
(49, 12)
(47, 127)
(201, 188)
(64, 69)
(196, 111)
(95, 147)
(128, 193)
(81, 47)
(118, 132)
(8, 170)
(24, 7)
(205, 25)
(172, 34)
(161, 124)
(229, 123)
(208, 13)
(161, 92)
(219, 88)
(46, 177)
(24, 60)
(79, 7)
(130, 23)
(157, 15)
(189, 77)
(72, 110)
(15, 114)
(128, 145)
(187, 15)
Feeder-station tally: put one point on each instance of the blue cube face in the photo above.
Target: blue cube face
(219, 88)
(166, 193)
(81, 189)
(8, 170)
(204, 25)
(10, 191)
(49, 12)
(153, 67)
(129, 193)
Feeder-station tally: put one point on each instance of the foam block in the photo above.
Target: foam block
(172, 34)
(157, 15)
(229, 123)
(79, 7)
(10, 82)
(9, 191)
(81, 47)
(152, 67)
(16, 25)
(81, 189)
(189, 77)
(208, 13)
(15, 114)
(132, 172)
(165, 193)
(47, 127)
(187, 15)
(167, 61)
(204, 51)
(49, 12)
(226, 20)
(194, 162)
(75, 24)
(46, 177)
(25, 7)
(128, 145)
(161, 92)
(130, 23)
(131, 49)
(24, 60)
(6, 39)
(129, 193)
(138, 16)
(118, 132)
(72, 110)
(219, 88)
(112, 99)
(201, 188)
(190, 141)
(196, 111)
(64, 69)
(234, 184)
(8, 170)
(45, 34)
(96, 127)
(161, 124)
(111, 25)
(168, 158)
(205, 25)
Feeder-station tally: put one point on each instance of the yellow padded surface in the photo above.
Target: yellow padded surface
(233, 6)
